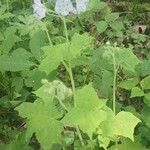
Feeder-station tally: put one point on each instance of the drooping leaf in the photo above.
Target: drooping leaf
(41, 121)
(88, 107)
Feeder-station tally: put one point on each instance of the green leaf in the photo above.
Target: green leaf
(145, 115)
(66, 51)
(145, 83)
(79, 43)
(143, 68)
(41, 121)
(10, 39)
(136, 92)
(117, 26)
(37, 41)
(125, 122)
(96, 5)
(53, 58)
(17, 61)
(127, 144)
(128, 84)
(122, 124)
(147, 99)
(106, 84)
(101, 26)
(18, 143)
(111, 17)
(87, 114)
(124, 57)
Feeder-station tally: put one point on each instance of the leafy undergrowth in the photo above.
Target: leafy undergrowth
(74, 80)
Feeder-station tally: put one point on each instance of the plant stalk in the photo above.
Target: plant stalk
(79, 135)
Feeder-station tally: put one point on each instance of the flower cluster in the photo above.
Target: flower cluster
(62, 7)
(39, 10)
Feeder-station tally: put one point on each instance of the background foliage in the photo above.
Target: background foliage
(75, 82)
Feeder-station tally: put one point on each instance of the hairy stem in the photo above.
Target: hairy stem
(79, 135)
(48, 36)
(114, 84)
(68, 67)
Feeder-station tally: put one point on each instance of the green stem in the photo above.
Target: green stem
(61, 103)
(68, 67)
(48, 36)
(69, 70)
(7, 3)
(65, 28)
(79, 135)
(114, 84)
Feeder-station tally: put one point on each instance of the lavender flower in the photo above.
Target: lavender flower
(64, 7)
(39, 10)
(81, 5)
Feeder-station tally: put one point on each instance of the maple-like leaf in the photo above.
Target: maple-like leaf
(41, 121)
(88, 113)
(122, 124)
(66, 51)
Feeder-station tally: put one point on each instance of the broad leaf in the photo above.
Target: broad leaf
(41, 121)
(87, 114)
(124, 57)
(17, 61)
(122, 124)
(66, 51)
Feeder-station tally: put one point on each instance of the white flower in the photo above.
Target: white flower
(39, 10)
(81, 5)
(64, 7)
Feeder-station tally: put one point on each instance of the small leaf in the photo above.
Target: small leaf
(111, 17)
(128, 84)
(127, 144)
(147, 99)
(117, 26)
(136, 92)
(101, 26)
(145, 83)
